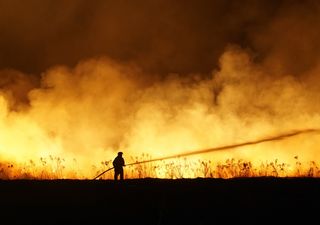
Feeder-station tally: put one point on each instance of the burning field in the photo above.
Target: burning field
(215, 105)
(78, 118)
(159, 84)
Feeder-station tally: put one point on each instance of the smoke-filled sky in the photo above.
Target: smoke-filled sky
(86, 77)
(159, 36)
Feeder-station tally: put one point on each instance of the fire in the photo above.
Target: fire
(78, 118)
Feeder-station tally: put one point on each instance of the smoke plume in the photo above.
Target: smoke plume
(81, 80)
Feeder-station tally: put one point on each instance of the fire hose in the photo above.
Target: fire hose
(268, 139)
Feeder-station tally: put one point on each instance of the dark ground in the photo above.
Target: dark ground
(157, 201)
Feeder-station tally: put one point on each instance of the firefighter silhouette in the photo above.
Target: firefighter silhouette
(118, 164)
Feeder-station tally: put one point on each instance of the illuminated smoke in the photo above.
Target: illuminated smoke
(155, 93)
(91, 111)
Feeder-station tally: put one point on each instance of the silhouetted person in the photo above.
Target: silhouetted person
(118, 164)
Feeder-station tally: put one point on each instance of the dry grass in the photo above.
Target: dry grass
(231, 168)
(54, 168)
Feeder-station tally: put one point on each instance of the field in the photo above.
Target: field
(159, 201)
(53, 168)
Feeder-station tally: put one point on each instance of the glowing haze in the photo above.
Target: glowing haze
(144, 94)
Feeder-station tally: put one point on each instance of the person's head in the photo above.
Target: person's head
(120, 153)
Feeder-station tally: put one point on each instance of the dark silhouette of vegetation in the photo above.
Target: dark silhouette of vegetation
(55, 168)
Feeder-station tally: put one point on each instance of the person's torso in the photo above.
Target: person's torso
(118, 162)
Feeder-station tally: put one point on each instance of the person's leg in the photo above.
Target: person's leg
(115, 175)
(121, 174)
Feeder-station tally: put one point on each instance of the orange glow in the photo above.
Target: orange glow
(79, 118)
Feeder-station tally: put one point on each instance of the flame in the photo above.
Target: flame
(80, 117)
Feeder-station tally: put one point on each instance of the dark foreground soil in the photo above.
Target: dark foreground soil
(157, 201)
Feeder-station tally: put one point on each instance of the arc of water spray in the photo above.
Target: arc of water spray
(268, 139)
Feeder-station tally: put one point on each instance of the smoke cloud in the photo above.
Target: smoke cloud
(160, 36)
(83, 80)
